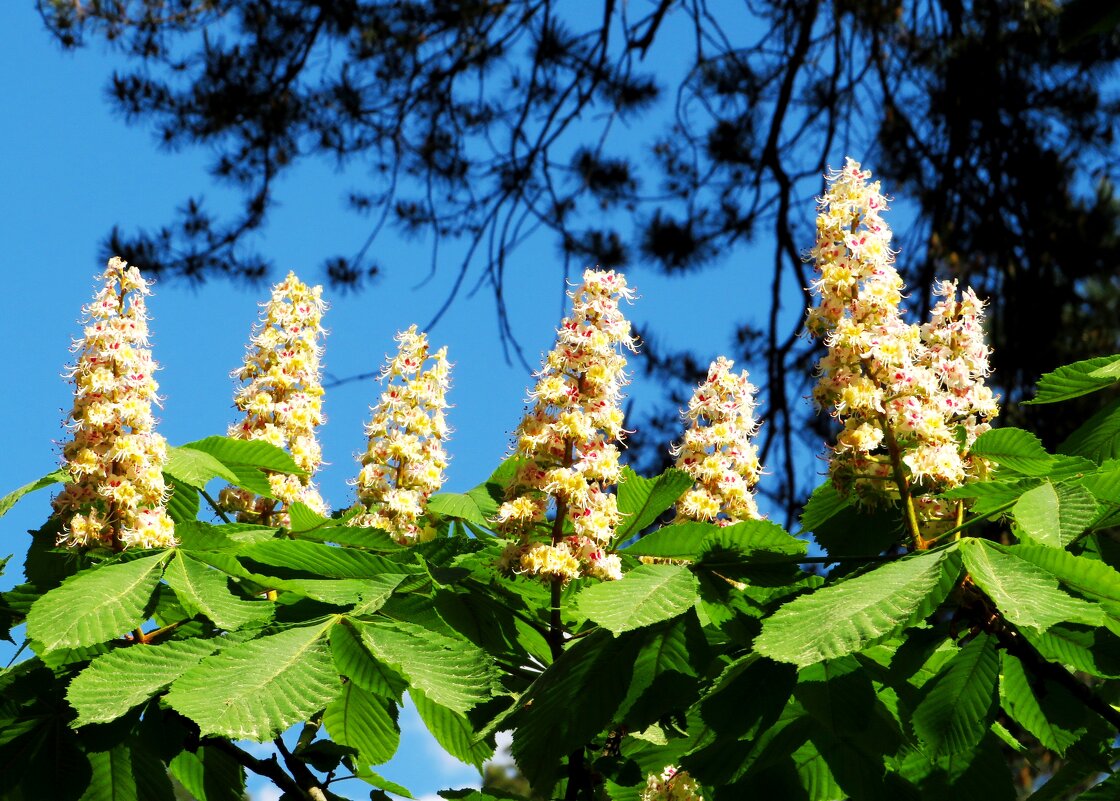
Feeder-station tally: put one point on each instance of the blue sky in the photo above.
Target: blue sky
(72, 168)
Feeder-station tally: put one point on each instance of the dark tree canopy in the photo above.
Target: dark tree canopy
(488, 121)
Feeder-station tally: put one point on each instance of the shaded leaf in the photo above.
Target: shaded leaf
(1052, 715)
(824, 504)
(952, 716)
(1098, 438)
(209, 774)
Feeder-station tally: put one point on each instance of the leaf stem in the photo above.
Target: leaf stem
(215, 506)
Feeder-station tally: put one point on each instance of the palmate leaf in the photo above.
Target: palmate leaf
(856, 613)
(952, 717)
(256, 689)
(450, 671)
(452, 731)
(641, 500)
(1055, 516)
(127, 677)
(365, 722)
(1077, 379)
(96, 605)
(202, 590)
(1025, 593)
(1015, 449)
(647, 594)
(1053, 715)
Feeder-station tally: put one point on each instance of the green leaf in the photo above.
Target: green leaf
(449, 671)
(1055, 516)
(642, 500)
(1095, 651)
(1015, 449)
(452, 731)
(365, 722)
(198, 536)
(127, 772)
(1098, 437)
(9, 500)
(952, 717)
(570, 703)
(248, 452)
(355, 662)
(195, 468)
(322, 560)
(209, 774)
(256, 689)
(856, 613)
(1054, 716)
(122, 679)
(691, 540)
(183, 505)
(647, 594)
(1026, 594)
(202, 590)
(825, 503)
(678, 541)
(96, 605)
(459, 506)
(1077, 379)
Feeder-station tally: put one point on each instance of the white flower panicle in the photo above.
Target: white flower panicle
(404, 462)
(672, 785)
(893, 385)
(282, 399)
(566, 441)
(115, 496)
(717, 450)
